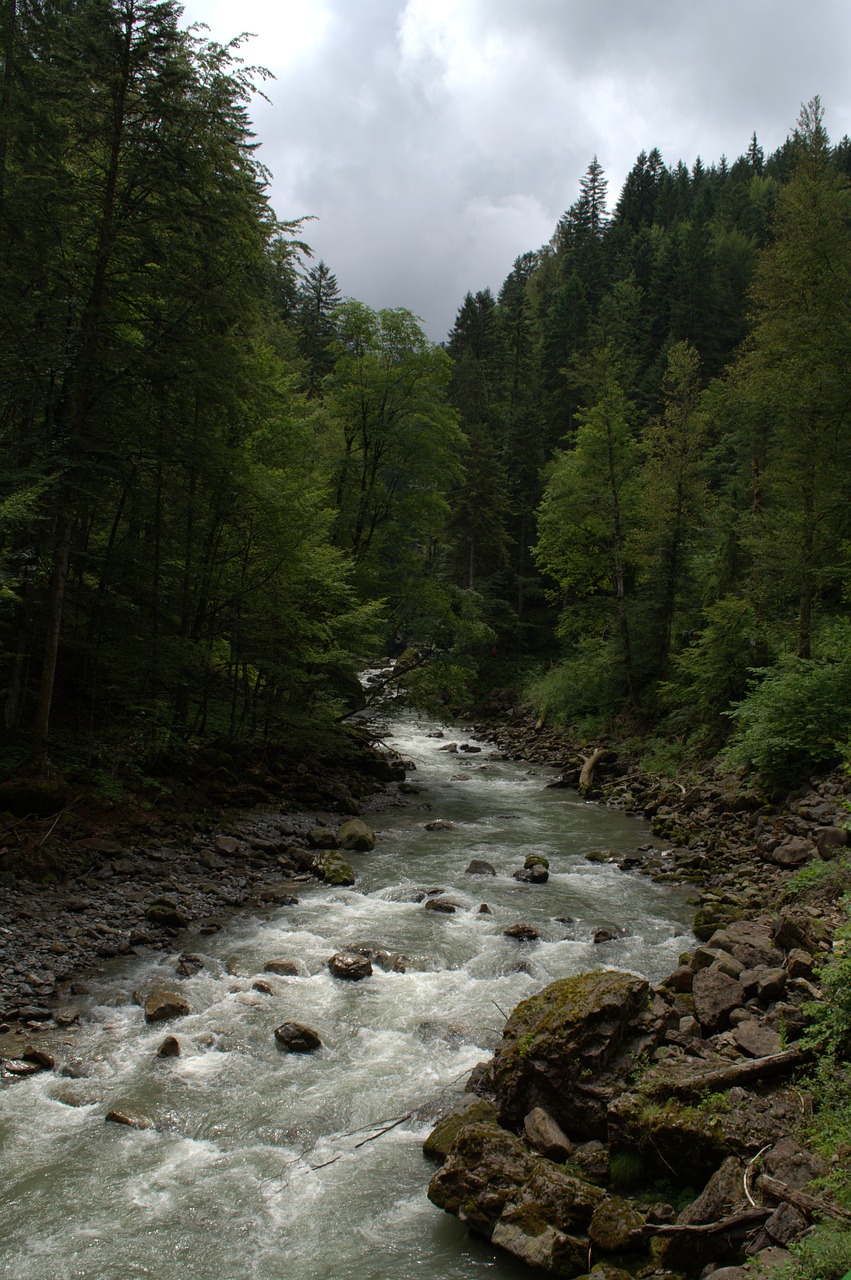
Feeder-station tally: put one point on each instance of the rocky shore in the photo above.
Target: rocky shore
(91, 883)
(621, 1130)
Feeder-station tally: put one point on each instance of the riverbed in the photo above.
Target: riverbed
(271, 1166)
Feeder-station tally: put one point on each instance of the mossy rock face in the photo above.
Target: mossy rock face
(711, 917)
(536, 860)
(557, 1047)
(690, 1140)
(437, 1144)
(355, 834)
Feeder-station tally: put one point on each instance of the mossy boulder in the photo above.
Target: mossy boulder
(523, 1203)
(333, 869)
(437, 1144)
(560, 1050)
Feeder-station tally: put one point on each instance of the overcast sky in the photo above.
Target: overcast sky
(436, 140)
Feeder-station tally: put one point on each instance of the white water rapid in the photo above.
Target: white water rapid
(261, 1164)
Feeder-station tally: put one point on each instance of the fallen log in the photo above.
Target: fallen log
(810, 1205)
(746, 1071)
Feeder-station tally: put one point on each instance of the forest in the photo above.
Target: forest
(620, 487)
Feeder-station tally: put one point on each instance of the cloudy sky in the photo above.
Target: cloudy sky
(435, 140)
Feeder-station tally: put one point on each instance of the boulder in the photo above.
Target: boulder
(472, 1111)
(830, 841)
(715, 994)
(557, 1047)
(170, 1048)
(160, 1006)
(532, 875)
(333, 869)
(613, 1223)
(295, 1037)
(522, 1203)
(164, 911)
(478, 867)
(756, 1039)
(440, 905)
(350, 966)
(355, 834)
(793, 852)
(750, 941)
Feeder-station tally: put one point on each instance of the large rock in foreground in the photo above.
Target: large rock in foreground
(561, 1049)
(521, 1202)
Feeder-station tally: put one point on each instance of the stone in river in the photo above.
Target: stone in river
(350, 966)
(522, 932)
(283, 968)
(442, 905)
(295, 1037)
(170, 1048)
(160, 1006)
(355, 834)
(478, 867)
(532, 875)
(129, 1118)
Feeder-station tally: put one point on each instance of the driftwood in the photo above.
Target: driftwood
(743, 1072)
(586, 777)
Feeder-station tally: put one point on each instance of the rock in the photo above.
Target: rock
(592, 1161)
(793, 1164)
(532, 875)
(478, 867)
(170, 1048)
(160, 1006)
(613, 1223)
(439, 824)
(476, 1111)
(715, 994)
(295, 1037)
(66, 1016)
(723, 1195)
(607, 935)
(284, 968)
(756, 1039)
(799, 964)
(793, 852)
(189, 964)
(355, 834)
(441, 905)
(542, 1133)
(751, 941)
(521, 932)
(350, 966)
(321, 838)
(164, 911)
(333, 869)
(536, 860)
(18, 1067)
(265, 988)
(131, 1119)
(44, 1061)
(225, 844)
(557, 1046)
(522, 1203)
(830, 840)
(785, 1224)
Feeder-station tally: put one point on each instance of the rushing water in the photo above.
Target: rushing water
(266, 1165)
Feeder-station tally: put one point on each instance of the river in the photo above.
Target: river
(273, 1166)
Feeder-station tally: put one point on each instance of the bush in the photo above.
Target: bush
(796, 718)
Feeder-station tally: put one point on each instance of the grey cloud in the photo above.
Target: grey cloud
(436, 141)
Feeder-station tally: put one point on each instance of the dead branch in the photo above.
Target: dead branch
(386, 1129)
(736, 1221)
(742, 1072)
(806, 1203)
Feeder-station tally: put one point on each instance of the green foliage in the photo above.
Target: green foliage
(713, 671)
(627, 1169)
(794, 719)
(583, 688)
